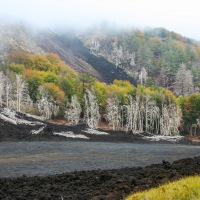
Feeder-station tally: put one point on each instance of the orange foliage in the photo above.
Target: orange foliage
(187, 104)
(42, 63)
(180, 44)
(29, 73)
(53, 58)
(57, 94)
(138, 33)
(20, 57)
(198, 51)
(48, 62)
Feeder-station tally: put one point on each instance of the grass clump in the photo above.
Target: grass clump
(184, 189)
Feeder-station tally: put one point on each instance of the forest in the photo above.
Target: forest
(157, 51)
(44, 85)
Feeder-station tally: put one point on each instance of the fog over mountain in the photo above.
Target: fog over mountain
(179, 16)
(107, 39)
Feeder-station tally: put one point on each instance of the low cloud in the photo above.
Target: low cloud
(179, 16)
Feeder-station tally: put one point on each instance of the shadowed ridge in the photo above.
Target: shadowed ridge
(73, 52)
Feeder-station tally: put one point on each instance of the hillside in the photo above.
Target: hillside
(154, 57)
(158, 51)
(67, 46)
(112, 54)
(15, 37)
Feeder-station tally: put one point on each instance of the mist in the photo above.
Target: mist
(179, 16)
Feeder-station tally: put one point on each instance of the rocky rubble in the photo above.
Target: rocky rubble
(99, 184)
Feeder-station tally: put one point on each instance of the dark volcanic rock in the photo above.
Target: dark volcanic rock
(72, 51)
(99, 184)
(23, 132)
(48, 130)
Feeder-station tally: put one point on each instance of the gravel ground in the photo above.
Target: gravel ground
(97, 184)
(91, 184)
(45, 158)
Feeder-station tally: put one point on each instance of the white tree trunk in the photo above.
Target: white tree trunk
(114, 113)
(92, 115)
(73, 112)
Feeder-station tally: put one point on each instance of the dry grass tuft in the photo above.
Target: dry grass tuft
(184, 189)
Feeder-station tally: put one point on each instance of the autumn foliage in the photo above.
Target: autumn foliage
(62, 83)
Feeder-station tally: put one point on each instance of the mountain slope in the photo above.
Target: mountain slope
(156, 50)
(110, 55)
(70, 49)
(16, 37)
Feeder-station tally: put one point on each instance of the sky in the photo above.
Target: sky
(181, 16)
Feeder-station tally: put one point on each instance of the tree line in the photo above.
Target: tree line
(44, 85)
(159, 51)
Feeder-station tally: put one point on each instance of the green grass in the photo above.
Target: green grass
(184, 189)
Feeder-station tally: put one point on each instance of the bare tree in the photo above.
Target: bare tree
(114, 113)
(151, 115)
(14, 93)
(73, 112)
(183, 82)
(22, 94)
(95, 47)
(8, 92)
(2, 87)
(132, 115)
(117, 54)
(170, 120)
(143, 76)
(92, 115)
(46, 105)
(165, 78)
(132, 57)
(142, 115)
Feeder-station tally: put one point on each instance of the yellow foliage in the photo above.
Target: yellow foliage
(17, 68)
(120, 89)
(29, 73)
(198, 51)
(187, 104)
(67, 69)
(184, 189)
(20, 57)
(180, 44)
(150, 91)
(43, 76)
(53, 58)
(57, 94)
(58, 65)
(100, 90)
(43, 64)
(170, 95)
(140, 90)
